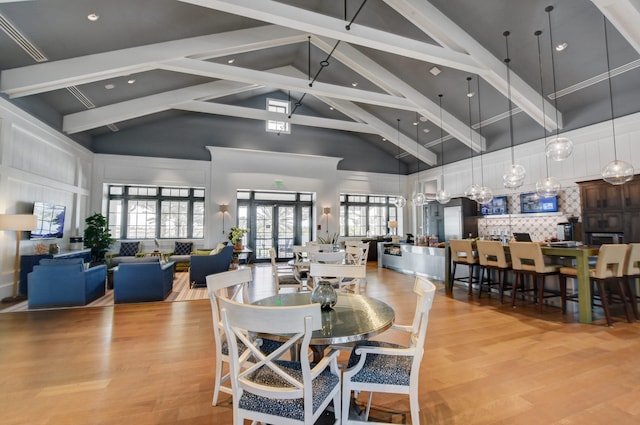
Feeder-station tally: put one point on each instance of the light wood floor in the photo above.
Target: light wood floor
(484, 363)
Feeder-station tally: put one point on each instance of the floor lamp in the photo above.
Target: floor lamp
(18, 223)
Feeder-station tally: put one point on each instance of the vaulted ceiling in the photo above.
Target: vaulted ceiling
(360, 73)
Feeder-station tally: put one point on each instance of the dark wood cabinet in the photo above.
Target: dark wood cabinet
(611, 208)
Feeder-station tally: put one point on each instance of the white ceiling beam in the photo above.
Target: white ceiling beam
(316, 23)
(264, 115)
(438, 26)
(33, 79)
(388, 81)
(385, 130)
(283, 82)
(122, 111)
(625, 16)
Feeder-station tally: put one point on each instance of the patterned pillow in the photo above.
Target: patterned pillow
(129, 249)
(183, 248)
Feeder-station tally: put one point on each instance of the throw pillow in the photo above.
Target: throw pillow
(129, 249)
(202, 252)
(183, 248)
(218, 248)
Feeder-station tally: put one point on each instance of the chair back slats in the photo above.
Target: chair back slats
(610, 263)
(326, 257)
(425, 291)
(339, 272)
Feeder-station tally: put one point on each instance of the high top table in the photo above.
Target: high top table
(581, 254)
(353, 318)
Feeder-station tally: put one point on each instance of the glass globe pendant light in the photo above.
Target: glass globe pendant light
(485, 194)
(418, 198)
(400, 200)
(548, 186)
(472, 190)
(616, 172)
(442, 195)
(557, 148)
(513, 178)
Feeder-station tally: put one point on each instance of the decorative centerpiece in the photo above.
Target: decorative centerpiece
(325, 295)
(235, 236)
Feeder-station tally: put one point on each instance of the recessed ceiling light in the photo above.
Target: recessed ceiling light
(415, 123)
(384, 140)
(423, 119)
(131, 81)
(93, 17)
(561, 46)
(230, 61)
(331, 108)
(109, 86)
(435, 71)
(354, 84)
(471, 94)
(426, 130)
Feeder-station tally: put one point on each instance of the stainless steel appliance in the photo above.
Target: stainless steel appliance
(602, 238)
(569, 231)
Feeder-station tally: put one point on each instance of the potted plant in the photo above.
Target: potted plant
(97, 236)
(235, 236)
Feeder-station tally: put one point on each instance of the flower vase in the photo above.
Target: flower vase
(325, 295)
(237, 246)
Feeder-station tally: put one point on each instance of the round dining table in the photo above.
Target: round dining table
(353, 318)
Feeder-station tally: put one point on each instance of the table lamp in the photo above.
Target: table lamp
(18, 223)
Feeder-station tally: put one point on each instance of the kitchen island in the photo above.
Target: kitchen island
(412, 259)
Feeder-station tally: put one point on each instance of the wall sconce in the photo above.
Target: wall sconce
(223, 208)
(326, 211)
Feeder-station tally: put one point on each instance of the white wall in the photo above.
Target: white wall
(38, 164)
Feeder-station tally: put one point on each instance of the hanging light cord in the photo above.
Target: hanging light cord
(348, 27)
(507, 61)
(470, 128)
(613, 122)
(480, 133)
(441, 142)
(399, 189)
(544, 116)
(548, 9)
(418, 143)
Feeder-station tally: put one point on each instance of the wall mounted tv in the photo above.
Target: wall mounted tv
(50, 220)
(498, 205)
(533, 203)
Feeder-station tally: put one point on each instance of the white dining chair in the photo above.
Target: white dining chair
(275, 389)
(327, 257)
(346, 276)
(284, 276)
(390, 368)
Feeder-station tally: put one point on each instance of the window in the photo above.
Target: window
(280, 107)
(366, 215)
(148, 212)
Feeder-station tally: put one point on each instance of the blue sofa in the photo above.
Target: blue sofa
(137, 282)
(64, 283)
(204, 265)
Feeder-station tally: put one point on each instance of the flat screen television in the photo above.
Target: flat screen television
(533, 203)
(498, 205)
(50, 220)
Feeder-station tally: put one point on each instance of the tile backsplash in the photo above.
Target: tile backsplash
(541, 226)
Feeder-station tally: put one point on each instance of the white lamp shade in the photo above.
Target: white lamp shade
(18, 222)
(393, 224)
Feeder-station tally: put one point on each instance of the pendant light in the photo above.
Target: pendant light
(513, 178)
(418, 198)
(472, 189)
(400, 201)
(549, 186)
(616, 172)
(485, 194)
(557, 148)
(442, 195)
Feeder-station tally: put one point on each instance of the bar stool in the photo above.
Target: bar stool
(527, 259)
(462, 253)
(631, 273)
(609, 269)
(492, 257)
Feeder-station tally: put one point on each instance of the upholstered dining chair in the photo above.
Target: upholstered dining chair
(390, 368)
(218, 285)
(462, 253)
(632, 273)
(527, 260)
(275, 389)
(492, 257)
(609, 270)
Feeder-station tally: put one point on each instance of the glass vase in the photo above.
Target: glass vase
(325, 295)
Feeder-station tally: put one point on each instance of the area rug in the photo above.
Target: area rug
(181, 292)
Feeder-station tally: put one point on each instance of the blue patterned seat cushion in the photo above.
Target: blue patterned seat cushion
(294, 409)
(381, 368)
(129, 249)
(183, 248)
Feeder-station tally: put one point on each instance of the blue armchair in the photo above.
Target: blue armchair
(136, 282)
(64, 283)
(204, 265)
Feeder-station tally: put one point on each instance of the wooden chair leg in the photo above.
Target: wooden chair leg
(623, 294)
(562, 279)
(470, 279)
(541, 279)
(605, 301)
(516, 280)
(632, 295)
